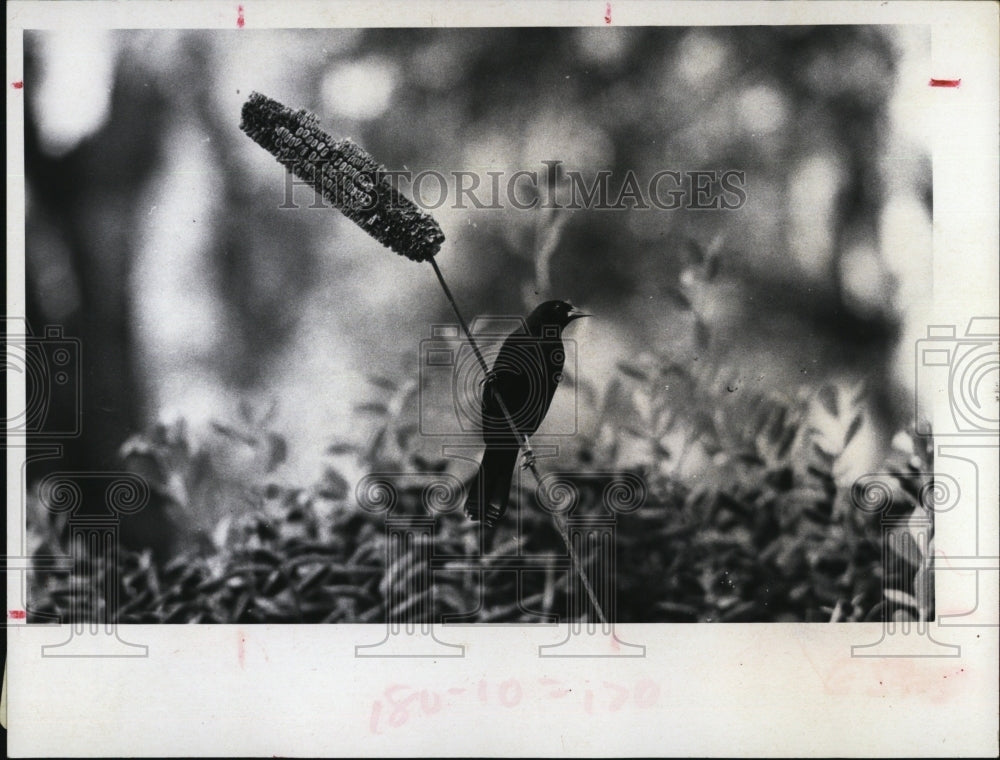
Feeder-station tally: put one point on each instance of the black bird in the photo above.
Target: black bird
(525, 375)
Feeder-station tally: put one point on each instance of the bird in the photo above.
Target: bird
(525, 374)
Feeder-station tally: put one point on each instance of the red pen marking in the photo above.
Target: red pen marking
(18, 85)
(17, 614)
(241, 650)
(607, 13)
(240, 21)
(945, 82)
(510, 693)
(376, 714)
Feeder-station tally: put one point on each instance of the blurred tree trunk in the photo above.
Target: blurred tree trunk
(82, 223)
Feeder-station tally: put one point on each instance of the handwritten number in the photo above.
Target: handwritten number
(510, 693)
(376, 714)
(401, 711)
(430, 702)
(646, 693)
(621, 696)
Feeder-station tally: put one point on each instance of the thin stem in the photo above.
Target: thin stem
(524, 438)
(479, 356)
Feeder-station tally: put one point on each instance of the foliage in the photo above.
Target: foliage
(761, 532)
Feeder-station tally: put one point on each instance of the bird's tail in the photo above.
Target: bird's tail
(491, 486)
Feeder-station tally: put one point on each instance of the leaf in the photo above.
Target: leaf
(678, 370)
(750, 458)
(828, 398)
(383, 382)
(711, 446)
(819, 473)
(901, 597)
(426, 465)
(232, 433)
(679, 298)
(702, 335)
(743, 611)
(923, 586)
(630, 370)
(633, 431)
(901, 615)
(908, 548)
(333, 487)
(587, 389)
(787, 439)
(277, 451)
(661, 451)
(823, 455)
(853, 429)
(776, 427)
(694, 250)
(712, 265)
(245, 411)
(342, 447)
(373, 407)
(703, 424)
(781, 479)
(404, 433)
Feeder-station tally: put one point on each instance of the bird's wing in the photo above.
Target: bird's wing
(526, 378)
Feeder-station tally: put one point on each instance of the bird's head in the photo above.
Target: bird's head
(552, 313)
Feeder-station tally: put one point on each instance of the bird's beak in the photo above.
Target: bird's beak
(575, 314)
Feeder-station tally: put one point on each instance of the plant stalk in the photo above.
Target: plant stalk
(560, 527)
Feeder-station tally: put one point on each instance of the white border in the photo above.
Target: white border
(788, 690)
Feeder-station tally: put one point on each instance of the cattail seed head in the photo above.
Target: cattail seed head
(344, 173)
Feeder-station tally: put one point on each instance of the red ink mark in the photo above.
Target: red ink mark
(619, 701)
(241, 650)
(510, 693)
(18, 85)
(401, 711)
(945, 82)
(430, 702)
(607, 13)
(646, 693)
(17, 614)
(555, 693)
(240, 21)
(376, 714)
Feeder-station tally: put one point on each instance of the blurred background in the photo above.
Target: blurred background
(155, 231)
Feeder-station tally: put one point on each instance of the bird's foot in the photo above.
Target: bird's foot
(489, 378)
(528, 462)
